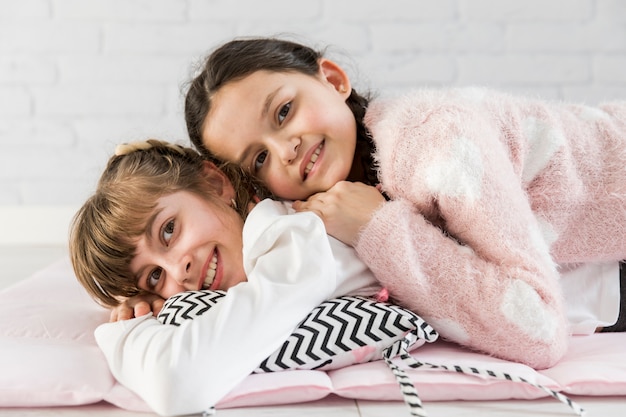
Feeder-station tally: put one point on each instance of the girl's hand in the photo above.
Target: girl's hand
(345, 208)
(137, 306)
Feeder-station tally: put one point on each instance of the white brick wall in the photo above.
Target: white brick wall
(79, 76)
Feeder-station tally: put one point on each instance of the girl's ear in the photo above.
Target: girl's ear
(336, 76)
(219, 182)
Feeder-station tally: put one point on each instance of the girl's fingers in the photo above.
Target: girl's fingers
(142, 308)
(157, 305)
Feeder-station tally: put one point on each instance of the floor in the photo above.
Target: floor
(19, 262)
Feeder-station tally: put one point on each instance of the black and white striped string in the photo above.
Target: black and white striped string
(409, 392)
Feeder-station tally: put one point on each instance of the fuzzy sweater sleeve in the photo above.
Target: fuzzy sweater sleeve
(459, 243)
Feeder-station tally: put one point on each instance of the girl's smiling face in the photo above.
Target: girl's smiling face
(293, 131)
(189, 244)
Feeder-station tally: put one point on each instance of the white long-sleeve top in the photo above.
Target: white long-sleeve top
(292, 265)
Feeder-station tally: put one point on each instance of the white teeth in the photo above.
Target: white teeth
(210, 273)
(314, 157)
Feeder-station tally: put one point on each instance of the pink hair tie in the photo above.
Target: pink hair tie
(382, 296)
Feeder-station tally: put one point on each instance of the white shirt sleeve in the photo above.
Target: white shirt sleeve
(189, 368)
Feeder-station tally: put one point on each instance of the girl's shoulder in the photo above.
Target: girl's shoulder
(264, 213)
(430, 99)
(276, 216)
(429, 111)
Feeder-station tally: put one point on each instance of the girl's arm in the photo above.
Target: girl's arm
(187, 369)
(459, 244)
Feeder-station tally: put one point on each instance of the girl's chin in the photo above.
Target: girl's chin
(331, 181)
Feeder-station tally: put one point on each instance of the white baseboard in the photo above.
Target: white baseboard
(35, 225)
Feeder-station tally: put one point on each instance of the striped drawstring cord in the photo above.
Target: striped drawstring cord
(409, 392)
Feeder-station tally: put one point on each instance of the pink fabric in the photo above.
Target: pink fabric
(517, 185)
(48, 358)
(593, 365)
(48, 354)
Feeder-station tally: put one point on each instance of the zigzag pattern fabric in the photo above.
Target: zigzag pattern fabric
(337, 333)
(188, 305)
(342, 325)
(401, 349)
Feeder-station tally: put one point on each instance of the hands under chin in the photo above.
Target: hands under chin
(137, 306)
(345, 208)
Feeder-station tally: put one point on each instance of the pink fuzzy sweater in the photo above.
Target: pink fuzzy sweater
(490, 193)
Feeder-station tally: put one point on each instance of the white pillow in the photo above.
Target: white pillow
(339, 332)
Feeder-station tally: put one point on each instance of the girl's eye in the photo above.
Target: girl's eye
(259, 161)
(283, 112)
(167, 232)
(154, 277)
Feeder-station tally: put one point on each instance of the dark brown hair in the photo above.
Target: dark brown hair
(239, 58)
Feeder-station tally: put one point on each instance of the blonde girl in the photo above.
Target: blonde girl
(107, 229)
(163, 220)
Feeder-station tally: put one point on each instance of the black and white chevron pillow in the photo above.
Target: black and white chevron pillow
(348, 330)
(339, 332)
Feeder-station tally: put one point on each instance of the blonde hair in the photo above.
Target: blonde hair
(104, 229)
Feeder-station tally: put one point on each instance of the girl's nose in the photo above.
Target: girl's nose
(287, 149)
(181, 270)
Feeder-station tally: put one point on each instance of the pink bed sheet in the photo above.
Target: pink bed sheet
(49, 358)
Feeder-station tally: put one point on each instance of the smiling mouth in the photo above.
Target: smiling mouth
(314, 157)
(210, 273)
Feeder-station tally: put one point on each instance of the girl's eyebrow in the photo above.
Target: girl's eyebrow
(138, 275)
(244, 156)
(150, 223)
(268, 102)
(265, 110)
